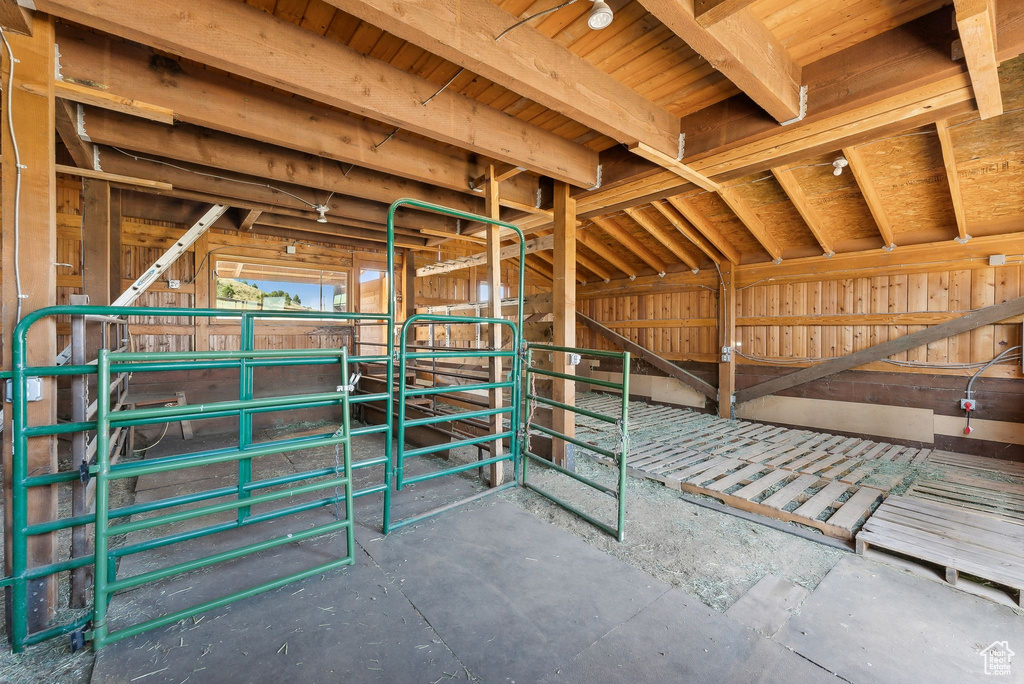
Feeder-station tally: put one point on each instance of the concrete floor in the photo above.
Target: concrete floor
(488, 592)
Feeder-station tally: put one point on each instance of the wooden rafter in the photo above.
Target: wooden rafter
(113, 177)
(664, 237)
(66, 120)
(502, 172)
(976, 22)
(743, 50)
(248, 42)
(15, 18)
(675, 166)
(706, 228)
(752, 221)
(231, 153)
(871, 196)
(526, 62)
(787, 180)
(538, 244)
(592, 266)
(609, 255)
(638, 248)
(249, 219)
(949, 161)
(550, 258)
(680, 223)
(99, 98)
(710, 12)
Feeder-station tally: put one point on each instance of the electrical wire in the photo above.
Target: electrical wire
(1011, 354)
(907, 364)
(159, 439)
(16, 248)
(532, 17)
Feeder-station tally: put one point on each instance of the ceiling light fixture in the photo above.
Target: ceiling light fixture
(600, 16)
(322, 210)
(838, 165)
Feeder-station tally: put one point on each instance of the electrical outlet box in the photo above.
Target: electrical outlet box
(290, 249)
(726, 354)
(33, 386)
(968, 405)
(997, 260)
(174, 284)
(574, 359)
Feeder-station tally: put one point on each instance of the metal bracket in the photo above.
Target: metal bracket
(353, 380)
(574, 359)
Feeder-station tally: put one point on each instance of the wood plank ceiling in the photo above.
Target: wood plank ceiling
(897, 192)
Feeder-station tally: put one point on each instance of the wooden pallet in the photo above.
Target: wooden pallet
(959, 540)
(961, 488)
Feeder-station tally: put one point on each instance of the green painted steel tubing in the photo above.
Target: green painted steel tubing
(455, 504)
(572, 509)
(458, 469)
(213, 559)
(455, 389)
(101, 548)
(574, 409)
(576, 378)
(171, 618)
(623, 445)
(462, 354)
(127, 357)
(565, 471)
(188, 411)
(578, 442)
(582, 352)
(445, 446)
(466, 415)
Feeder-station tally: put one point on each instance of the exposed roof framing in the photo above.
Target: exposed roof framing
(680, 223)
(803, 205)
(524, 61)
(949, 161)
(706, 228)
(752, 221)
(976, 22)
(743, 50)
(250, 43)
(622, 236)
(609, 255)
(871, 196)
(664, 237)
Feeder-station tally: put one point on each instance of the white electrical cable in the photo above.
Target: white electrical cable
(17, 175)
(906, 364)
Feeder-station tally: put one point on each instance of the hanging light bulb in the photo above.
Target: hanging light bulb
(321, 209)
(600, 16)
(838, 165)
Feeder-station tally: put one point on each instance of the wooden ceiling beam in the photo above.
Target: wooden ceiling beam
(597, 269)
(550, 259)
(976, 23)
(15, 18)
(74, 92)
(245, 41)
(744, 51)
(706, 228)
(710, 12)
(949, 161)
(871, 196)
(471, 34)
(664, 238)
(680, 223)
(249, 219)
(797, 196)
(66, 120)
(752, 221)
(267, 116)
(231, 153)
(609, 255)
(638, 248)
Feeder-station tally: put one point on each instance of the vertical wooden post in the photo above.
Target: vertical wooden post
(564, 307)
(201, 298)
(33, 115)
(115, 275)
(727, 333)
(96, 252)
(409, 283)
(492, 209)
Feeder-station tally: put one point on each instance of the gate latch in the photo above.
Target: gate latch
(353, 380)
(574, 359)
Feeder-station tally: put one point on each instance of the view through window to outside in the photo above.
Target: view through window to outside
(268, 287)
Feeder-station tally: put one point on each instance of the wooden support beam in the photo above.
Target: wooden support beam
(112, 177)
(705, 227)
(533, 246)
(204, 298)
(650, 357)
(408, 283)
(664, 238)
(710, 12)
(980, 317)
(727, 334)
(249, 220)
(549, 257)
(743, 49)
(752, 221)
(470, 33)
(609, 255)
(246, 41)
(82, 152)
(680, 223)
(871, 196)
(502, 172)
(493, 210)
(74, 92)
(33, 119)
(97, 266)
(231, 153)
(949, 161)
(563, 297)
(976, 22)
(15, 18)
(638, 248)
(790, 186)
(592, 266)
(677, 167)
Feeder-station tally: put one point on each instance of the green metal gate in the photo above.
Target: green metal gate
(616, 455)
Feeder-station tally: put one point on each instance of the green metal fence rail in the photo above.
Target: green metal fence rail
(25, 580)
(106, 583)
(512, 382)
(619, 454)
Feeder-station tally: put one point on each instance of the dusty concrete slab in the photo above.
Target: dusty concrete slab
(512, 596)
(768, 604)
(871, 623)
(678, 639)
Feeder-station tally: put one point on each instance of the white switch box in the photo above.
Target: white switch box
(968, 405)
(997, 260)
(174, 284)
